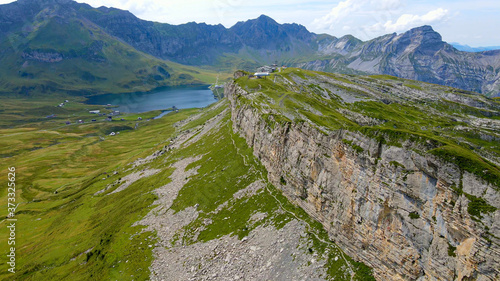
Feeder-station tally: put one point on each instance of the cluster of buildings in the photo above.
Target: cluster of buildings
(265, 70)
(63, 103)
(109, 116)
(98, 113)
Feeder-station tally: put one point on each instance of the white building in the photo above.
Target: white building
(261, 74)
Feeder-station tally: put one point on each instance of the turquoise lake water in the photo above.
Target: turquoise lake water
(180, 97)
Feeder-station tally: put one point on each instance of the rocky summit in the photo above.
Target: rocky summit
(418, 54)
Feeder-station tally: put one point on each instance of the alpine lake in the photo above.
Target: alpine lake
(167, 99)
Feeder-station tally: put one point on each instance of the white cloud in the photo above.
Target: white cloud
(356, 11)
(339, 12)
(387, 4)
(407, 21)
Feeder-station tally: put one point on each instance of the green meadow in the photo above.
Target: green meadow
(66, 229)
(59, 168)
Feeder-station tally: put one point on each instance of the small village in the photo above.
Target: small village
(266, 70)
(108, 113)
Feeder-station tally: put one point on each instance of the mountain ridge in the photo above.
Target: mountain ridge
(418, 54)
(467, 48)
(48, 47)
(302, 175)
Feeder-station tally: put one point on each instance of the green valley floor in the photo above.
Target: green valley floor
(176, 198)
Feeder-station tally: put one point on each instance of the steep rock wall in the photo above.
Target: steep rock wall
(390, 207)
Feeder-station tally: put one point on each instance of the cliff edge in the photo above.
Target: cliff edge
(399, 172)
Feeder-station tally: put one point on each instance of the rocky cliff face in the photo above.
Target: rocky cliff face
(393, 208)
(199, 43)
(418, 54)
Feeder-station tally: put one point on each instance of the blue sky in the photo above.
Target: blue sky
(475, 23)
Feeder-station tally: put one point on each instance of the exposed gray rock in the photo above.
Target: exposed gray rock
(418, 54)
(265, 254)
(405, 220)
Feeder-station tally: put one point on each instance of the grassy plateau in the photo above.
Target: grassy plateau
(70, 224)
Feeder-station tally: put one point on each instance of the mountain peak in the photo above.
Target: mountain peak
(423, 28)
(265, 18)
(261, 20)
(424, 37)
(425, 31)
(264, 32)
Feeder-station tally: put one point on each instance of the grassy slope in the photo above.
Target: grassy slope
(65, 231)
(85, 67)
(235, 167)
(430, 125)
(59, 218)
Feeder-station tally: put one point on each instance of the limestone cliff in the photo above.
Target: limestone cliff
(403, 212)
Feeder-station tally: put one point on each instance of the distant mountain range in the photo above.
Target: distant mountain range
(418, 54)
(105, 49)
(467, 48)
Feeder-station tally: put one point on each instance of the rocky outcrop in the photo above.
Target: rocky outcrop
(47, 56)
(392, 208)
(93, 52)
(418, 54)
